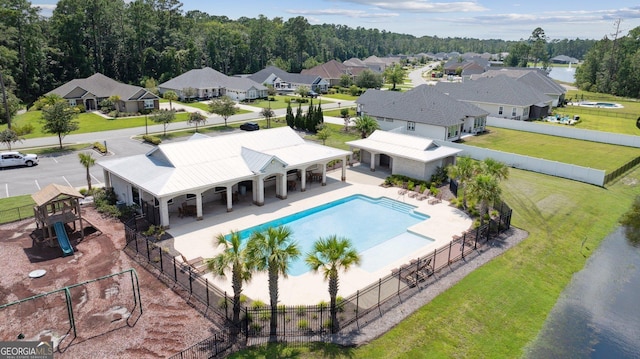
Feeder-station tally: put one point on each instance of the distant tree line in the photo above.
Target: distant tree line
(145, 42)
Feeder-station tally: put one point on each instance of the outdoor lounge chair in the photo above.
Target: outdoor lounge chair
(197, 264)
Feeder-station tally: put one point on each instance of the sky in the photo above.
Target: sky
(488, 19)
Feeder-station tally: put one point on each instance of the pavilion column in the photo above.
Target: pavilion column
(281, 186)
(164, 213)
(324, 174)
(303, 180)
(199, 206)
(107, 178)
(344, 170)
(259, 200)
(372, 165)
(229, 198)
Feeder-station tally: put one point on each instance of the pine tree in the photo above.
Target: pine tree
(299, 120)
(289, 117)
(309, 121)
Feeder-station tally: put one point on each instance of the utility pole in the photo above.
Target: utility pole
(4, 100)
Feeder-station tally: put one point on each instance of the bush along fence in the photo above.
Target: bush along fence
(311, 322)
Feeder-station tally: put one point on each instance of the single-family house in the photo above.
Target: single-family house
(90, 91)
(180, 178)
(403, 154)
(285, 82)
(465, 67)
(500, 96)
(424, 112)
(536, 78)
(375, 64)
(333, 71)
(208, 83)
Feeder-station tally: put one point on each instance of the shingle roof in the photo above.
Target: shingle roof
(178, 167)
(52, 191)
(422, 104)
(354, 62)
(537, 78)
(500, 90)
(102, 86)
(262, 75)
(209, 78)
(329, 70)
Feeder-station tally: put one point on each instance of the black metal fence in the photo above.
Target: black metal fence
(310, 322)
(211, 347)
(621, 170)
(16, 214)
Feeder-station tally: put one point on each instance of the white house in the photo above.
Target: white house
(285, 82)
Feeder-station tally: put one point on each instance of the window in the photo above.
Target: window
(525, 112)
(452, 131)
(513, 112)
(72, 102)
(191, 196)
(149, 104)
(388, 119)
(411, 126)
(500, 110)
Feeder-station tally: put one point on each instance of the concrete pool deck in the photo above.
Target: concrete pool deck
(196, 238)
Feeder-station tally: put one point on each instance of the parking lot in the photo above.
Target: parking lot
(64, 169)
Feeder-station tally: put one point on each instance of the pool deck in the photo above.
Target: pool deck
(196, 238)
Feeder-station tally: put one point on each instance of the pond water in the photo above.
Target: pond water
(597, 314)
(564, 74)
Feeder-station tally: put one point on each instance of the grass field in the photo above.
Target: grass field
(582, 153)
(88, 122)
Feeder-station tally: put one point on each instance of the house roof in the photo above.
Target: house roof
(354, 62)
(500, 90)
(406, 146)
(262, 76)
(422, 104)
(52, 191)
(329, 70)
(209, 78)
(201, 163)
(102, 86)
(536, 78)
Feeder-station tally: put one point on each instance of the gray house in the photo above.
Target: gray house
(90, 91)
(424, 112)
(208, 83)
(500, 96)
(536, 78)
(285, 82)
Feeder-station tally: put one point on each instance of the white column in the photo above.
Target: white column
(373, 161)
(229, 198)
(164, 212)
(303, 179)
(324, 174)
(107, 178)
(199, 206)
(260, 192)
(344, 169)
(282, 180)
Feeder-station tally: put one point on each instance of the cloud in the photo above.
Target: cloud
(422, 6)
(342, 12)
(49, 7)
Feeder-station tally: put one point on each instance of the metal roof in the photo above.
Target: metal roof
(201, 163)
(405, 146)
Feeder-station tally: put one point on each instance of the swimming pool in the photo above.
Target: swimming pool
(601, 104)
(377, 227)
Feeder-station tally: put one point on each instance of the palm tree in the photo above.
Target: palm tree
(272, 250)
(463, 170)
(234, 257)
(495, 168)
(366, 125)
(171, 96)
(87, 160)
(485, 189)
(330, 255)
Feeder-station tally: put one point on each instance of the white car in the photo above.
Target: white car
(10, 159)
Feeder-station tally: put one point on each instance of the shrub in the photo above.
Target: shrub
(100, 147)
(323, 304)
(423, 186)
(152, 139)
(303, 324)
(282, 308)
(256, 327)
(23, 130)
(411, 186)
(224, 303)
(265, 316)
(301, 310)
(327, 324)
(258, 304)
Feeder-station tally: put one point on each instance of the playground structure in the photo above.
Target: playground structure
(63, 312)
(56, 206)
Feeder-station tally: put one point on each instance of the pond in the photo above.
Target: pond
(597, 314)
(564, 74)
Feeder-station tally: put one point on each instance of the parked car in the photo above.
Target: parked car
(250, 126)
(312, 94)
(10, 159)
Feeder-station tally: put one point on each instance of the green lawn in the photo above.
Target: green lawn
(582, 153)
(338, 137)
(499, 308)
(89, 122)
(336, 112)
(10, 206)
(204, 106)
(341, 96)
(280, 102)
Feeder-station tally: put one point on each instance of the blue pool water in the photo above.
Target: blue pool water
(376, 227)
